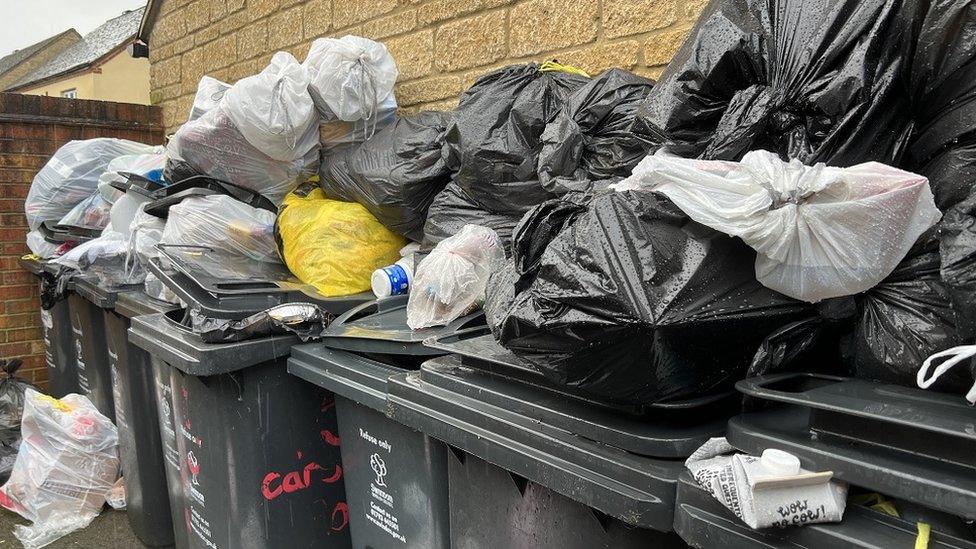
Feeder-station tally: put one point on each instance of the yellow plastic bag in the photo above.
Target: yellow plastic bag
(332, 245)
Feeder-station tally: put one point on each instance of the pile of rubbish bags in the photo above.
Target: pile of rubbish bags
(798, 189)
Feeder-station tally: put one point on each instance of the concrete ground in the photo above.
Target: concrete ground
(110, 530)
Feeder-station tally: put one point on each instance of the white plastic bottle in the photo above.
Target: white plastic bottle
(393, 279)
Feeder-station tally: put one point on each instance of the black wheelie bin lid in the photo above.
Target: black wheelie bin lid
(54, 233)
(101, 296)
(215, 296)
(703, 522)
(909, 444)
(466, 408)
(666, 430)
(376, 328)
(32, 264)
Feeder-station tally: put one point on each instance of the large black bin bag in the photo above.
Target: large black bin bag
(818, 80)
(496, 136)
(943, 146)
(623, 297)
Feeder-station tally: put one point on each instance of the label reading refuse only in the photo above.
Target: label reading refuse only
(47, 323)
(380, 510)
(83, 383)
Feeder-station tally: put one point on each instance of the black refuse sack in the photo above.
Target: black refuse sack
(54, 286)
(904, 320)
(958, 250)
(496, 135)
(395, 174)
(943, 146)
(818, 80)
(453, 208)
(12, 389)
(589, 138)
(623, 297)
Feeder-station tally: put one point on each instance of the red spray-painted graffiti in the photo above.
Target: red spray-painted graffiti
(274, 484)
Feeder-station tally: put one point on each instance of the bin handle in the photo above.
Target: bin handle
(759, 386)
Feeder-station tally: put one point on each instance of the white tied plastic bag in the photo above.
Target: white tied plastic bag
(72, 175)
(820, 231)
(209, 93)
(451, 280)
(67, 464)
(224, 224)
(40, 247)
(273, 109)
(351, 77)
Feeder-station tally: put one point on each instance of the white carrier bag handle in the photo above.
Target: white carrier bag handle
(957, 354)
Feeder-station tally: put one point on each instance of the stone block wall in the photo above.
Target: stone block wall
(441, 46)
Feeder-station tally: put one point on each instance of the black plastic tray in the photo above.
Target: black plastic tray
(380, 327)
(909, 444)
(201, 185)
(54, 233)
(703, 522)
(635, 489)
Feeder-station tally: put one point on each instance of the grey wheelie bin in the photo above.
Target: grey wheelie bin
(534, 466)
(59, 347)
(252, 453)
(140, 445)
(396, 477)
(88, 303)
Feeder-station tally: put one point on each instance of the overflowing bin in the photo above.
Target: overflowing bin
(253, 451)
(136, 413)
(535, 465)
(59, 347)
(396, 477)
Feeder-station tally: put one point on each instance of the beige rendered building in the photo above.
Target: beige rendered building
(99, 66)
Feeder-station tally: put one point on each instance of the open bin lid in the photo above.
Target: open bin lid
(101, 296)
(200, 185)
(635, 489)
(254, 291)
(380, 327)
(702, 521)
(375, 328)
(909, 444)
(54, 233)
(137, 303)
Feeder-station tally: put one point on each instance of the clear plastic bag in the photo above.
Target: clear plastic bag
(222, 223)
(209, 93)
(68, 462)
(332, 245)
(350, 77)
(213, 146)
(91, 213)
(12, 391)
(274, 111)
(107, 257)
(452, 279)
(72, 175)
(40, 247)
(820, 231)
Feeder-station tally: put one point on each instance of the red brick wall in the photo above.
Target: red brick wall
(32, 128)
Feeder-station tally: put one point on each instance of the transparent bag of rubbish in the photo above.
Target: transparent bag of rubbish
(40, 247)
(91, 213)
(351, 77)
(451, 280)
(224, 224)
(820, 231)
(67, 464)
(72, 175)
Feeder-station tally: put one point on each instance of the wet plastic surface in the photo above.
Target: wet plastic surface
(614, 295)
(704, 523)
(453, 208)
(908, 444)
(140, 446)
(634, 489)
(957, 248)
(395, 174)
(797, 77)
(215, 401)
